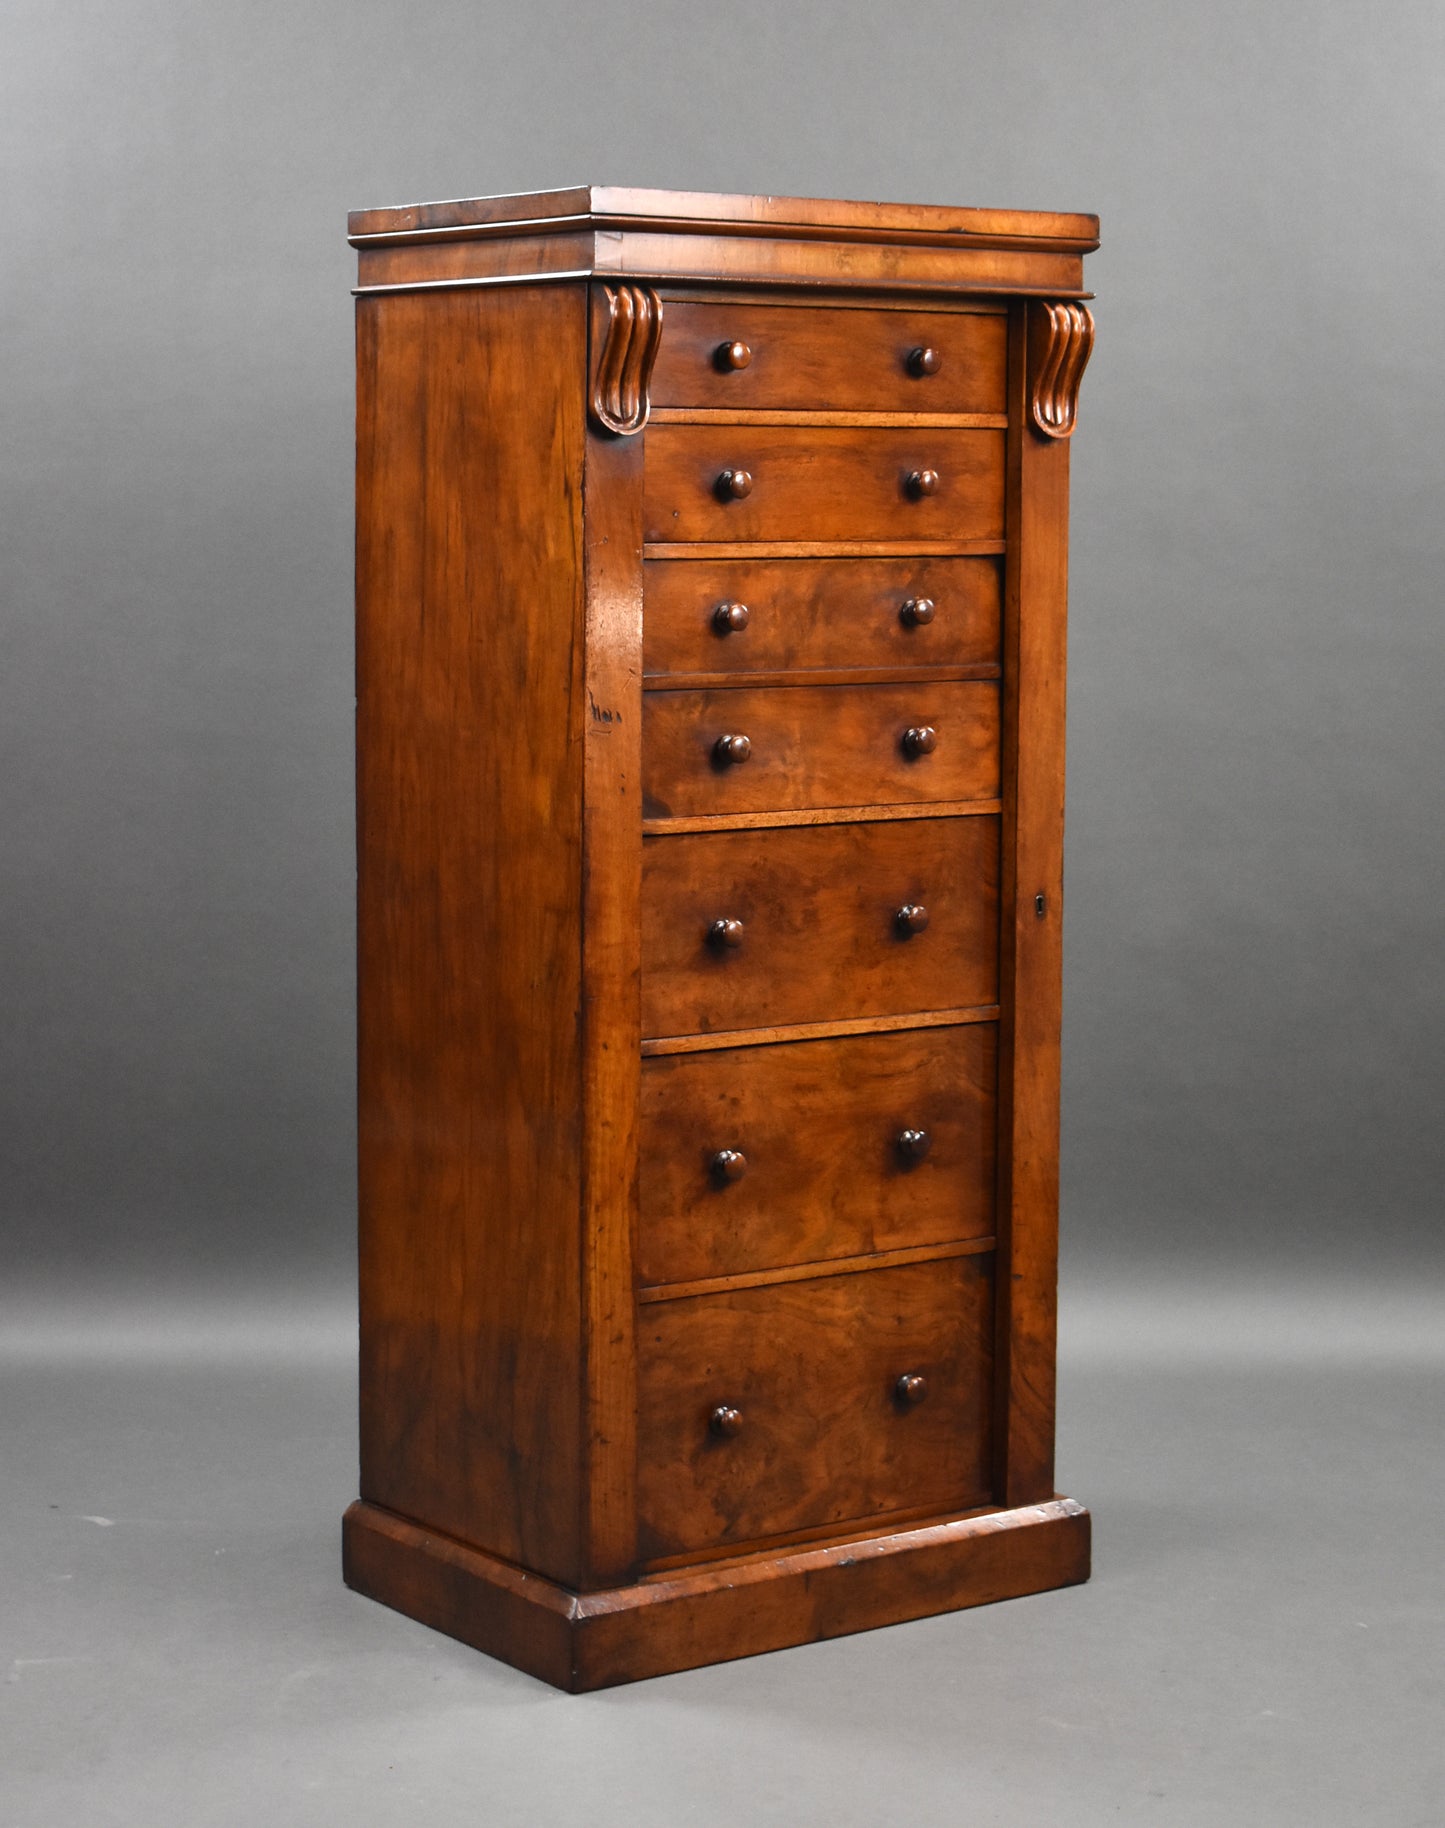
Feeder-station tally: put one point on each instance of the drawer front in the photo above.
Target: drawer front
(820, 937)
(812, 1371)
(806, 746)
(756, 1157)
(829, 359)
(822, 613)
(821, 484)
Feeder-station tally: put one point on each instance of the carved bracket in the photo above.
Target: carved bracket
(631, 332)
(1061, 339)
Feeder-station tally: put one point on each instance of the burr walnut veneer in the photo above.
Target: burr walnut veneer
(711, 567)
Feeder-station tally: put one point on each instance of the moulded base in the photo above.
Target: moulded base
(716, 1610)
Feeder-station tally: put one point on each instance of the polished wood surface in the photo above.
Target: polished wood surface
(826, 614)
(812, 1369)
(821, 484)
(770, 749)
(860, 361)
(469, 795)
(818, 906)
(686, 237)
(821, 1127)
(1061, 339)
(630, 322)
(711, 577)
(1031, 936)
(612, 206)
(609, 1015)
(734, 1607)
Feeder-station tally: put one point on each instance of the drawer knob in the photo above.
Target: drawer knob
(911, 918)
(924, 361)
(729, 1165)
(726, 1421)
(913, 1145)
(729, 751)
(911, 1388)
(730, 618)
(917, 612)
(920, 483)
(725, 933)
(733, 485)
(919, 739)
(732, 355)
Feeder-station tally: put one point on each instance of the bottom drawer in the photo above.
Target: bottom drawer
(807, 1374)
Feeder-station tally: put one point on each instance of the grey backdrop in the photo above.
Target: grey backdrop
(1251, 1345)
(1254, 988)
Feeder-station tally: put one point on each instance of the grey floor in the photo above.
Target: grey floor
(1261, 1642)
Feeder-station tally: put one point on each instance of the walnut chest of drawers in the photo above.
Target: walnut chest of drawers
(711, 567)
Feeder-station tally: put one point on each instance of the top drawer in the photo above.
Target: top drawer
(810, 358)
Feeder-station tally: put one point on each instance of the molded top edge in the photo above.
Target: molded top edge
(597, 206)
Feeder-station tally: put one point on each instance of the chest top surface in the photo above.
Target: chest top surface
(706, 236)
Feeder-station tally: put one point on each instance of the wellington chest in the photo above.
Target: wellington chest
(711, 559)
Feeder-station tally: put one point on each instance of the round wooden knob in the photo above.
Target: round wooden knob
(732, 618)
(924, 361)
(911, 918)
(730, 750)
(726, 1421)
(919, 739)
(910, 1388)
(732, 355)
(733, 485)
(919, 483)
(726, 933)
(917, 611)
(729, 1165)
(913, 1145)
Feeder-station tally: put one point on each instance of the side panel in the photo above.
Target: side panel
(469, 829)
(1030, 940)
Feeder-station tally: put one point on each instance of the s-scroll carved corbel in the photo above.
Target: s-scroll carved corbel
(631, 326)
(1061, 338)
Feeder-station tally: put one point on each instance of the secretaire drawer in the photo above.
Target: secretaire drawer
(802, 1404)
(751, 929)
(724, 356)
(776, 748)
(755, 1157)
(777, 615)
(768, 482)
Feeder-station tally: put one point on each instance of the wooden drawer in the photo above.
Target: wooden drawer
(819, 613)
(826, 484)
(820, 938)
(812, 1368)
(815, 746)
(850, 1146)
(829, 359)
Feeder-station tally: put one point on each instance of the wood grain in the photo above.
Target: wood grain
(1031, 963)
(823, 484)
(818, 1122)
(737, 1607)
(805, 614)
(469, 797)
(611, 1009)
(813, 1366)
(818, 746)
(611, 206)
(818, 906)
(831, 359)
(708, 1284)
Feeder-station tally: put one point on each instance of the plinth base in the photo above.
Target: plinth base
(717, 1610)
